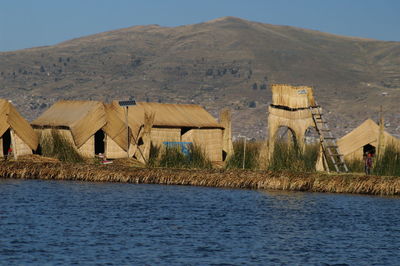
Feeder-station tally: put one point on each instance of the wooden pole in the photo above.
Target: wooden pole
(244, 152)
(127, 131)
(381, 130)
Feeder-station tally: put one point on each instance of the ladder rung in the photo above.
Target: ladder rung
(330, 147)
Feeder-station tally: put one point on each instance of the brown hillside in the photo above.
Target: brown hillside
(227, 62)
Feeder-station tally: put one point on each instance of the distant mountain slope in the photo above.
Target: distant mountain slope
(227, 62)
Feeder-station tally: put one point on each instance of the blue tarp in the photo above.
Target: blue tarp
(185, 146)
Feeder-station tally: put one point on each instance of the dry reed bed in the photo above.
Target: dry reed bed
(315, 182)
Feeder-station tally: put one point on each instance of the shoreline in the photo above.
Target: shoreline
(242, 179)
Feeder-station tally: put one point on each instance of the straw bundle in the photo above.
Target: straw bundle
(293, 97)
(226, 123)
(144, 150)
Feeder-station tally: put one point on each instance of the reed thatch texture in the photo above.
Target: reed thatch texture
(226, 123)
(21, 148)
(351, 145)
(322, 164)
(264, 156)
(83, 118)
(210, 140)
(159, 135)
(116, 123)
(289, 109)
(11, 119)
(116, 131)
(298, 121)
(85, 150)
(113, 150)
(144, 150)
(167, 115)
(169, 121)
(180, 115)
(313, 182)
(293, 97)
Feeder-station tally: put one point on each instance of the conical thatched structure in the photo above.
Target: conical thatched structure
(365, 138)
(15, 132)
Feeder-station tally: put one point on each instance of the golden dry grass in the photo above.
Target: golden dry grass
(313, 182)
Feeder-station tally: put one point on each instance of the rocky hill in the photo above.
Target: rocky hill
(227, 62)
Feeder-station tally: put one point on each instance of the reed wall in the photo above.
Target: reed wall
(113, 150)
(20, 148)
(159, 135)
(87, 148)
(210, 140)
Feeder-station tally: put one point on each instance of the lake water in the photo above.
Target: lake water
(64, 222)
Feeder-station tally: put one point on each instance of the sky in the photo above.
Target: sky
(30, 23)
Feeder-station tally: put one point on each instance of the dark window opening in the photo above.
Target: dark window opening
(369, 148)
(184, 130)
(38, 150)
(6, 138)
(224, 154)
(99, 143)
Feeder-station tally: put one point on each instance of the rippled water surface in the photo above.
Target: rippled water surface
(56, 222)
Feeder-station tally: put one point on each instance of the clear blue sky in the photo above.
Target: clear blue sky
(28, 23)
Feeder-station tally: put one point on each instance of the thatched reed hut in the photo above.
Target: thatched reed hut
(94, 127)
(15, 132)
(176, 123)
(89, 125)
(368, 137)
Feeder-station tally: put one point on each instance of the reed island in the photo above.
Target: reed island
(177, 144)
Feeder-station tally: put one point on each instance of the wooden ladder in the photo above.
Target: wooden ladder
(328, 142)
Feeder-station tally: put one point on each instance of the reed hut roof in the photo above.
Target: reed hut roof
(10, 118)
(83, 118)
(180, 115)
(366, 133)
(293, 97)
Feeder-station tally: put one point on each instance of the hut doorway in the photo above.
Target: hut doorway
(370, 149)
(6, 138)
(99, 143)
